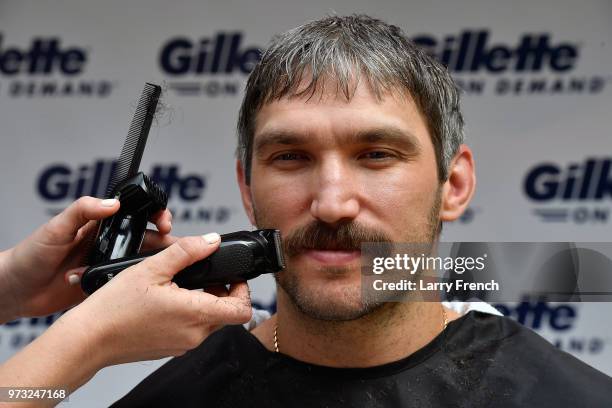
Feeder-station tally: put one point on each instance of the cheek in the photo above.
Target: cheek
(279, 202)
(401, 199)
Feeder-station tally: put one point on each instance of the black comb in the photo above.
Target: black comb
(131, 153)
(122, 234)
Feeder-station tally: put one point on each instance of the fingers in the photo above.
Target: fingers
(232, 309)
(163, 221)
(218, 290)
(86, 230)
(180, 255)
(73, 276)
(68, 222)
(154, 240)
(241, 291)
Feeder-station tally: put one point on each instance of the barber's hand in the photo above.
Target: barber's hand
(35, 273)
(142, 315)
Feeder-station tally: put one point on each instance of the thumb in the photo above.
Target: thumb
(180, 255)
(68, 222)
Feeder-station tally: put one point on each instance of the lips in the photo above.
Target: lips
(332, 256)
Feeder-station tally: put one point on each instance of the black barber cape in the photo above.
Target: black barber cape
(480, 360)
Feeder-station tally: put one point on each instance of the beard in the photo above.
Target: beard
(339, 302)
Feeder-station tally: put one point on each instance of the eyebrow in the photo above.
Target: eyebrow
(387, 134)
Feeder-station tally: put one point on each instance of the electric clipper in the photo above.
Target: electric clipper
(241, 255)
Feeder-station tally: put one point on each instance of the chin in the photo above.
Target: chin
(328, 295)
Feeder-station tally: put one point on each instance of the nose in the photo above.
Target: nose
(336, 193)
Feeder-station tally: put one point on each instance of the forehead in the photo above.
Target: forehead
(327, 115)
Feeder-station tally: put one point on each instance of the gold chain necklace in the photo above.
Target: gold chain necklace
(444, 324)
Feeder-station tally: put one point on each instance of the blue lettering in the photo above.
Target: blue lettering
(562, 318)
(541, 183)
(191, 188)
(578, 181)
(44, 56)
(54, 183)
(175, 58)
(218, 55)
(559, 318)
(60, 182)
(470, 51)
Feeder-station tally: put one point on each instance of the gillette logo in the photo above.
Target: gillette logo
(535, 315)
(578, 181)
(560, 319)
(222, 54)
(590, 181)
(44, 56)
(471, 51)
(59, 183)
(31, 72)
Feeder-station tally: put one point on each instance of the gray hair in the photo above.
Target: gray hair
(344, 49)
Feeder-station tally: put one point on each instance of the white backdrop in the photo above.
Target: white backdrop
(538, 95)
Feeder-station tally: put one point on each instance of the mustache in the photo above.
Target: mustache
(318, 235)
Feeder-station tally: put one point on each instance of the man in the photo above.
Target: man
(348, 133)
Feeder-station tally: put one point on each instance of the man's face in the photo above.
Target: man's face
(330, 173)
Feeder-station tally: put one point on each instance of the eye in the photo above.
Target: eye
(289, 160)
(290, 156)
(377, 155)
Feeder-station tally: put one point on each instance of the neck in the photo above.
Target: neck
(388, 334)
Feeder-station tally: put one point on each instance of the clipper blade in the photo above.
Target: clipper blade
(280, 256)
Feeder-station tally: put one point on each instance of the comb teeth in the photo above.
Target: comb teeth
(131, 153)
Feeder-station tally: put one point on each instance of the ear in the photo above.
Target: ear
(458, 189)
(245, 192)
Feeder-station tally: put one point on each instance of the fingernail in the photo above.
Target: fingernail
(212, 237)
(74, 279)
(109, 202)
